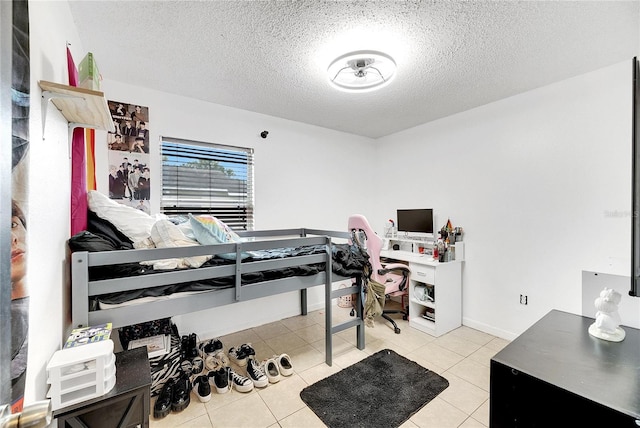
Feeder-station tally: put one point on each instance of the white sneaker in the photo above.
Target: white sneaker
(256, 374)
(284, 364)
(270, 367)
(216, 362)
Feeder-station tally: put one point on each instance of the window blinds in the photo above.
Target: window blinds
(204, 178)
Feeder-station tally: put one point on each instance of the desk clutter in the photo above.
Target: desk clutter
(442, 245)
(83, 369)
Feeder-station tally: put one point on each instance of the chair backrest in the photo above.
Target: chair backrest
(358, 223)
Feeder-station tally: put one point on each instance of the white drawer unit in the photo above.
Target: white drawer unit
(81, 373)
(435, 292)
(435, 297)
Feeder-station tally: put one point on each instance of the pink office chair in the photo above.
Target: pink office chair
(395, 276)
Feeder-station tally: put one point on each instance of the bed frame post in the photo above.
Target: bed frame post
(328, 325)
(360, 327)
(303, 292)
(328, 328)
(79, 290)
(303, 301)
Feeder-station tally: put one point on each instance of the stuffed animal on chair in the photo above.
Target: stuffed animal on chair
(394, 276)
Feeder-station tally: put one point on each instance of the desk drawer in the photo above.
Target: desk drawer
(423, 273)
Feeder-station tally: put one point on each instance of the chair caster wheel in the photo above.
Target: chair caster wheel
(397, 330)
(404, 317)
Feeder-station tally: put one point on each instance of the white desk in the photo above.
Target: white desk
(445, 279)
(408, 256)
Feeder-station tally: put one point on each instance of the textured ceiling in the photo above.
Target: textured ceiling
(271, 56)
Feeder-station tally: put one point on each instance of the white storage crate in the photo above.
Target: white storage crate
(81, 373)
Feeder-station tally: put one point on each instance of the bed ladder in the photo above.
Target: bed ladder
(356, 322)
(330, 295)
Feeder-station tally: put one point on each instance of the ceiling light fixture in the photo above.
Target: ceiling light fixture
(361, 71)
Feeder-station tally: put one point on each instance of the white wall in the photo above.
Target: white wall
(49, 193)
(541, 184)
(305, 176)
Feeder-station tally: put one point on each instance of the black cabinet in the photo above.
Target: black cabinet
(557, 374)
(127, 405)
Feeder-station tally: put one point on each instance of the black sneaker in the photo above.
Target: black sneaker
(202, 388)
(240, 354)
(163, 403)
(184, 347)
(256, 374)
(181, 394)
(210, 348)
(193, 346)
(242, 384)
(220, 379)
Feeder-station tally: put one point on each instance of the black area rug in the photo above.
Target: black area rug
(383, 390)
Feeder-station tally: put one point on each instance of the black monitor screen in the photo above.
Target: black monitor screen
(415, 221)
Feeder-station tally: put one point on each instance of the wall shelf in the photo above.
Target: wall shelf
(81, 107)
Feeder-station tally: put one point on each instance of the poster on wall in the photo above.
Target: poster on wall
(20, 109)
(128, 148)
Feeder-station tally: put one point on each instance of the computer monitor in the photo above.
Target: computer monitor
(415, 222)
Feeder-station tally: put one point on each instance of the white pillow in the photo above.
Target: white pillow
(135, 224)
(167, 235)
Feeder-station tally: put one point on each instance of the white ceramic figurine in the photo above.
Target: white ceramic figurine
(607, 324)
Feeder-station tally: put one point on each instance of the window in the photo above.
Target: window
(204, 178)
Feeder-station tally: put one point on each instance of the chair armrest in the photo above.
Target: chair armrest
(396, 268)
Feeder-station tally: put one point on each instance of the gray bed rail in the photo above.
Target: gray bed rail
(82, 288)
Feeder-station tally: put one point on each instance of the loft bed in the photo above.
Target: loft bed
(111, 286)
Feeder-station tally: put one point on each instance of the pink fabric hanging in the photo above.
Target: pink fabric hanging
(78, 165)
(71, 67)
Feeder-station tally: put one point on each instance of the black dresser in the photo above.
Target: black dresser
(557, 375)
(127, 405)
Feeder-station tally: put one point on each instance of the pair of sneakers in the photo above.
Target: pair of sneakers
(174, 396)
(241, 354)
(210, 347)
(192, 367)
(268, 371)
(276, 367)
(188, 345)
(212, 353)
(244, 355)
(227, 378)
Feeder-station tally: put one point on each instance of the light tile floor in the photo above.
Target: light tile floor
(462, 356)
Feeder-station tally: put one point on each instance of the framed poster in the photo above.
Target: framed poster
(128, 149)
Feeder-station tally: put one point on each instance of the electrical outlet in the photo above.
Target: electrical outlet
(523, 299)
